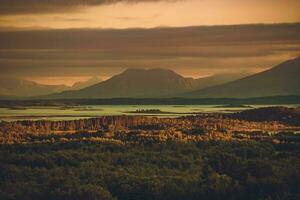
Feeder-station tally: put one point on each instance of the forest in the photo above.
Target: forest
(171, 170)
(249, 155)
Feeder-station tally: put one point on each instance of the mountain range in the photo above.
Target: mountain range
(146, 83)
(281, 80)
(14, 87)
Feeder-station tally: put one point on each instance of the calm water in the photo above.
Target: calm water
(79, 112)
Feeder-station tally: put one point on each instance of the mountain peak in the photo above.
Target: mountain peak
(137, 82)
(144, 83)
(150, 73)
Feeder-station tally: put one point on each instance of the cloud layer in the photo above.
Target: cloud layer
(188, 50)
(158, 38)
(9, 7)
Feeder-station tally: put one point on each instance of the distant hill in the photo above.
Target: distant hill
(17, 88)
(283, 79)
(83, 84)
(282, 114)
(145, 83)
(218, 79)
(23, 88)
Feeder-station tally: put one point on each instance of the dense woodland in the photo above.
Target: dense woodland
(173, 170)
(134, 158)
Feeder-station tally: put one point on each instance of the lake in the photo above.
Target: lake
(88, 111)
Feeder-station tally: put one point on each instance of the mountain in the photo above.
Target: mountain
(218, 79)
(280, 80)
(10, 87)
(13, 88)
(134, 83)
(83, 84)
(144, 83)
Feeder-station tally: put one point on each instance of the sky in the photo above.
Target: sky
(63, 41)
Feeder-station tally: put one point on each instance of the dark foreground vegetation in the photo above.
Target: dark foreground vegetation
(172, 170)
(211, 156)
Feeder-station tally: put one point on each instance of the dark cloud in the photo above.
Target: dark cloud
(8, 7)
(195, 49)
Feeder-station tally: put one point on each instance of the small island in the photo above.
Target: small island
(233, 106)
(149, 111)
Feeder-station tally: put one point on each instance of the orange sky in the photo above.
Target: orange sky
(163, 13)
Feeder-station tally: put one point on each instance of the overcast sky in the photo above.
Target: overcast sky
(61, 41)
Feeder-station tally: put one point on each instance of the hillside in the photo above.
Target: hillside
(283, 79)
(218, 79)
(83, 84)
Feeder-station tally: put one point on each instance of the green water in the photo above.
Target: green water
(80, 112)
